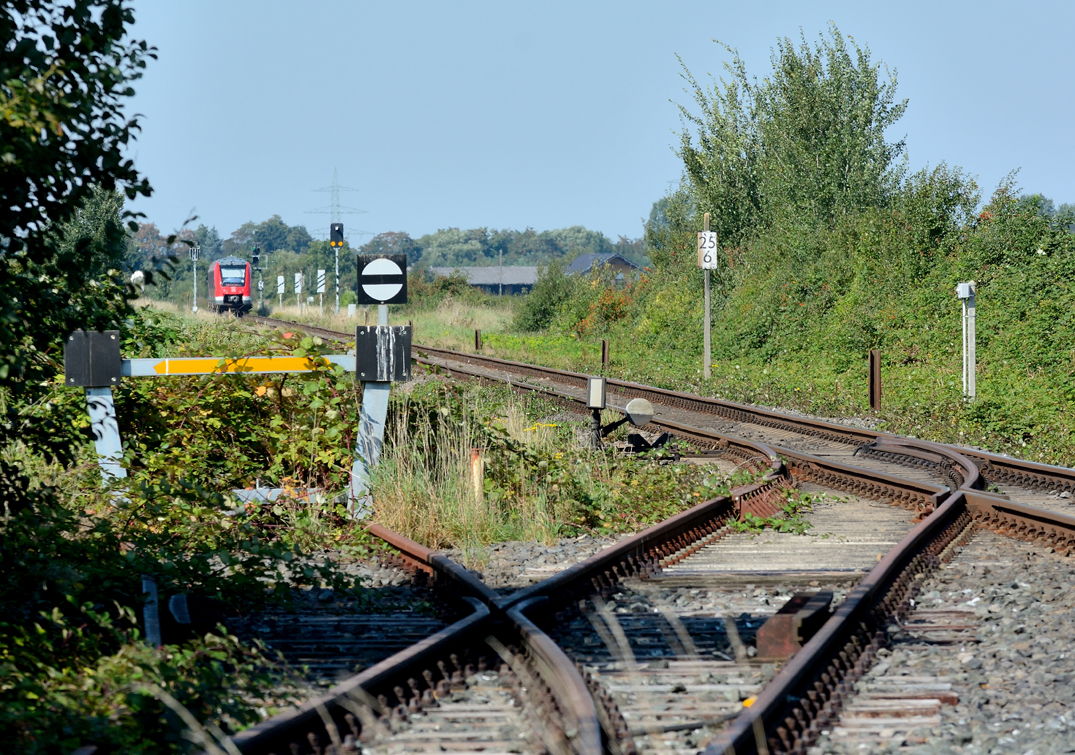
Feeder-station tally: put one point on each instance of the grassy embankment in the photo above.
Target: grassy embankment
(795, 316)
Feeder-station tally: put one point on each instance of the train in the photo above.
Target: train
(229, 285)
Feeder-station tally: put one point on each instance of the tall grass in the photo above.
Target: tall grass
(424, 483)
(449, 324)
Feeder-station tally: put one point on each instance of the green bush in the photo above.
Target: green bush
(540, 307)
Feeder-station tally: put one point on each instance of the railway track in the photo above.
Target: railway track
(647, 646)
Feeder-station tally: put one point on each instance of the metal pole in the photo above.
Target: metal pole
(194, 268)
(972, 388)
(337, 249)
(707, 358)
(875, 380)
(105, 428)
(371, 421)
(964, 329)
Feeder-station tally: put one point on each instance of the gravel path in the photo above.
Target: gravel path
(985, 664)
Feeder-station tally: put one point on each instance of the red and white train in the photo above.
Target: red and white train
(229, 285)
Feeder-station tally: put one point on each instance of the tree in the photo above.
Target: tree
(298, 239)
(450, 247)
(272, 234)
(209, 241)
(578, 240)
(808, 142)
(393, 242)
(65, 72)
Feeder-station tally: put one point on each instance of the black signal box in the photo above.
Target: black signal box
(383, 353)
(335, 234)
(92, 359)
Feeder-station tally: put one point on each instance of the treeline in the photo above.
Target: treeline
(287, 250)
(452, 247)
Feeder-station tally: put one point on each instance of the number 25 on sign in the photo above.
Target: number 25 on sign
(707, 250)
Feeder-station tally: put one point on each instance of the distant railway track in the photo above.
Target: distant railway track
(624, 701)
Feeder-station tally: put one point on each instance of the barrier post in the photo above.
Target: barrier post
(875, 380)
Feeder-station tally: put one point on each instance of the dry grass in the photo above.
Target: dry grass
(424, 485)
(451, 324)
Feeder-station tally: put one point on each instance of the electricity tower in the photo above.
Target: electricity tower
(336, 211)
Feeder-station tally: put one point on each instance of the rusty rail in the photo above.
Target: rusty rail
(994, 466)
(356, 694)
(808, 692)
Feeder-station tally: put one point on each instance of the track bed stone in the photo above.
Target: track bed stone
(988, 656)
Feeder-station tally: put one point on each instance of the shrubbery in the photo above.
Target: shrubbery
(825, 259)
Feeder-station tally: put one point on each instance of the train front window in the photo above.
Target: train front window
(233, 276)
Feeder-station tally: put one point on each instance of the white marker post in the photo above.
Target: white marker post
(707, 260)
(280, 290)
(966, 291)
(298, 290)
(194, 252)
(321, 289)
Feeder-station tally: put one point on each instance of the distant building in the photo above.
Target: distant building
(509, 280)
(584, 264)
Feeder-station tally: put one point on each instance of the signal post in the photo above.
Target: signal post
(335, 240)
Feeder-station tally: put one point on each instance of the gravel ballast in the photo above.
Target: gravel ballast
(1004, 673)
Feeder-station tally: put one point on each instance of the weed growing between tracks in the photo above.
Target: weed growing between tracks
(538, 480)
(796, 503)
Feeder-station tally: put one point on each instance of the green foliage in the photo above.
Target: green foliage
(65, 72)
(540, 306)
(128, 701)
(796, 503)
(828, 251)
(452, 247)
(795, 317)
(808, 142)
(393, 243)
(425, 291)
(72, 556)
(539, 481)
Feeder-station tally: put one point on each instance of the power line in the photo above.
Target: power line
(335, 210)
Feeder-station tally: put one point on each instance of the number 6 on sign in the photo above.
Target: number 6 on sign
(707, 250)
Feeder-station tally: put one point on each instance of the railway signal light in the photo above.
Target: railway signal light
(257, 256)
(335, 234)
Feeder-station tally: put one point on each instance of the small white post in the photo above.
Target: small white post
(194, 250)
(707, 358)
(151, 612)
(966, 292)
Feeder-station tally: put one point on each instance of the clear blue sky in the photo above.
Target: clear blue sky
(551, 114)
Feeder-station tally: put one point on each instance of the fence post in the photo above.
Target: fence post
(875, 380)
(604, 352)
(477, 340)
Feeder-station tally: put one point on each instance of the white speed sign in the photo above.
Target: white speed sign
(707, 250)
